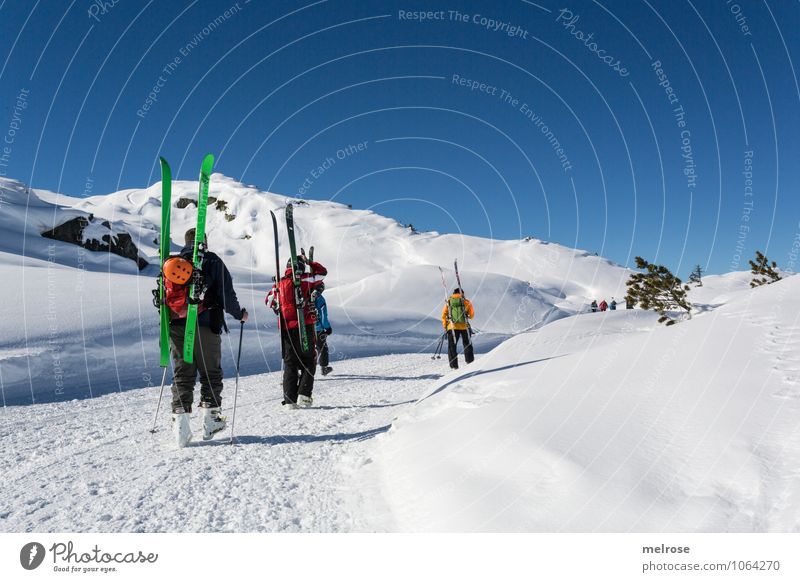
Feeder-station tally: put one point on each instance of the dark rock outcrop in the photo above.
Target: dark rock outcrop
(213, 202)
(120, 243)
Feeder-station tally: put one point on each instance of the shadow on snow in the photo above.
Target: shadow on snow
(282, 439)
(469, 375)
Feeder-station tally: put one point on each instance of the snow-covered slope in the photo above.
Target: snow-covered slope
(610, 422)
(719, 289)
(84, 323)
(92, 465)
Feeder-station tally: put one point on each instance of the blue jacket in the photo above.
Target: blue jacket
(220, 295)
(322, 310)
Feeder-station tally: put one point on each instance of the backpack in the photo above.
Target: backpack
(457, 311)
(176, 298)
(288, 305)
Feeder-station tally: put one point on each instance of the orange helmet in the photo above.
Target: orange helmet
(177, 270)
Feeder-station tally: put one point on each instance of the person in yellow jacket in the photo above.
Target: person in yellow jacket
(455, 318)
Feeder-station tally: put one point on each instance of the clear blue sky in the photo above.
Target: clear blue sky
(571, 138)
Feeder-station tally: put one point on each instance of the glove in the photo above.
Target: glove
(329, 331)
(244, 315)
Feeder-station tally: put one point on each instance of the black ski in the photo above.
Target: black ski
(296, 281)
(278, 275)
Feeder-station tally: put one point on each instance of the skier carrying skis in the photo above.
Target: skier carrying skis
(455, 315)
(219, 297)
(323, 327)
(298, 366)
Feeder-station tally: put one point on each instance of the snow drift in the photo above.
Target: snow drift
(610, 422)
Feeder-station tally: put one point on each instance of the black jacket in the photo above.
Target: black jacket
(220, 296)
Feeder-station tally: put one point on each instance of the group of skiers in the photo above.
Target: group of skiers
(603, 306)
(299, 364)
(219, 297)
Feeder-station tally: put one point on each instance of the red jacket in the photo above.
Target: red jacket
(282, 297)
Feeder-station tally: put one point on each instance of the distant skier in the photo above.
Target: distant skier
(323, 327)
(455, 315)
(298, 367)
(613, 305)
(628, 303)
(218, 298)
(594, 306)
(603, 305)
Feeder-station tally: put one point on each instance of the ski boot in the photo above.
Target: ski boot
(289, 405)
(213, 422)
(180, 428)
(304, 401)
(326, 370)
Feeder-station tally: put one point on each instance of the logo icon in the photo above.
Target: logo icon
(31, 555)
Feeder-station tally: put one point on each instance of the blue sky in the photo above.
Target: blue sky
(665, 129)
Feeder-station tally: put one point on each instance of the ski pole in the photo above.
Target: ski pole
(160, 394)
(437, 354)
(236, 385)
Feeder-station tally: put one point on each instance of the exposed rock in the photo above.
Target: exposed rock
(184, 202)
(119, 243)
(221, 205)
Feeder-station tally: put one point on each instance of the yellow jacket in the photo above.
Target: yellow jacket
(468, 309)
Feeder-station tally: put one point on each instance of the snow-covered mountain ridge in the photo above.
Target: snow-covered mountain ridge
(384, 285)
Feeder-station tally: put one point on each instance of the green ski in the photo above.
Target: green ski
(197, 259)
(298, 291)
(164, 241)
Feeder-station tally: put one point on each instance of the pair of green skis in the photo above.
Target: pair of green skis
(197, 257)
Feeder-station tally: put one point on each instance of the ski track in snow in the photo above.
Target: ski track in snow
(92, 466)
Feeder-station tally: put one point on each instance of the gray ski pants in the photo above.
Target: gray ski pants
(207, 361)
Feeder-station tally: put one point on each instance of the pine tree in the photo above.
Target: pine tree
(763, 271)
(696, 277)
(658, 289)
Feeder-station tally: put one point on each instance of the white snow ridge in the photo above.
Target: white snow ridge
(566, 421)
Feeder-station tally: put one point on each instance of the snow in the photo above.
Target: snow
(609, 422)
(92, 466)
